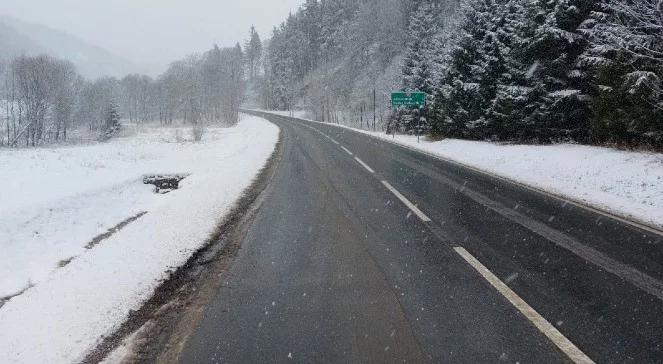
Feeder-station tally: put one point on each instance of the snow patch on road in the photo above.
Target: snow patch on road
(59, 199)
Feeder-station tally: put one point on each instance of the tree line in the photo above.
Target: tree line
(546, 71)
(44, 99)
(534, 71)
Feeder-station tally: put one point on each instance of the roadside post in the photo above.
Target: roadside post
(374, 100)
(415, 99)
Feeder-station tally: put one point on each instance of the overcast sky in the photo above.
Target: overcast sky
(154, 32)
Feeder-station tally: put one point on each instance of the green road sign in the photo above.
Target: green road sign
(411, 99)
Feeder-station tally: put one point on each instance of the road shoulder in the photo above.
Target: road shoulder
(158, 330)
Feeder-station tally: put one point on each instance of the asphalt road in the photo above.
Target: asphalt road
(364, 251)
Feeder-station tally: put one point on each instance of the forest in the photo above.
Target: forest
(528, 71)
(44, 100)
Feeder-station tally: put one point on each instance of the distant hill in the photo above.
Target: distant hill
(21, 38)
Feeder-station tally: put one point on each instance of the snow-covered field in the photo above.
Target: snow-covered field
(55, 201)
(626, 183)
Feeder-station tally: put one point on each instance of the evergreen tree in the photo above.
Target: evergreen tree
(553, 44)
(461, 103)
(336, 19)
(625, 75)
(421, 62)
(512, 93)
(253, 52)
(111, 122)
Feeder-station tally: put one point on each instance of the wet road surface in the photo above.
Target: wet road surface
(364, 251)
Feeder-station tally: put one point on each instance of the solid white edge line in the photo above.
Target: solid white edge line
(346, 150)
(334, 141)
(564, 344)
(364, 165)
(407, 202)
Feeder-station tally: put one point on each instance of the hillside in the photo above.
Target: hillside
(21, 38)
(538, 72)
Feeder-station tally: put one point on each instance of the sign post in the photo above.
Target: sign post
(411, 100)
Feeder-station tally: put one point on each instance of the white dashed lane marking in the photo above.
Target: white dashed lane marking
(368, 168)
(346, 150)
(564, 344)
(407, 202)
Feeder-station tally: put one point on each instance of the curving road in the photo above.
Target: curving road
(364, 251)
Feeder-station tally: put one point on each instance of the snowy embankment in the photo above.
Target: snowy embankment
(55, 202)
(625, 183)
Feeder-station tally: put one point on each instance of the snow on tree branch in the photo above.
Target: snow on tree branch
(635, 27)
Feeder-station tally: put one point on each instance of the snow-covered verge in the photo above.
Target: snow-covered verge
(626, 183)
(56, 201)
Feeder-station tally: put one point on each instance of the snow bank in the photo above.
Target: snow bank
(69, 195)
(625, 183)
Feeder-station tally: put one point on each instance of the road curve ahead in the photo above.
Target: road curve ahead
(364, 251)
